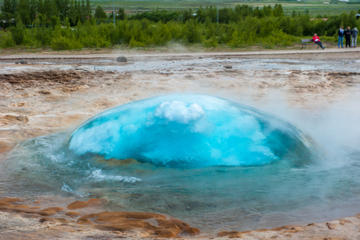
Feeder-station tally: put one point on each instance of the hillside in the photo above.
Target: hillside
(314, 7)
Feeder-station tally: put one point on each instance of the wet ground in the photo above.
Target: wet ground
(319, 96)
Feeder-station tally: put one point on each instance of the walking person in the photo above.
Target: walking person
(341, 37)
(354, 35)
(317, 41)
(347, 34)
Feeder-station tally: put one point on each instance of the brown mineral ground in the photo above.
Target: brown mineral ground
(84, 204)
(143, 223)
(38, 99)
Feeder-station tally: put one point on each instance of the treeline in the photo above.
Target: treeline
(49, 12)
(44, 12)
(65, 24)
(212, 14)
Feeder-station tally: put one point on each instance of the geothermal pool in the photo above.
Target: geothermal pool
(214, 163)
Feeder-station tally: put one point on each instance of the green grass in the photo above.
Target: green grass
(315, 7)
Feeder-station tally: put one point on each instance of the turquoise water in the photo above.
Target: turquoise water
(189, 131)
(211, 162)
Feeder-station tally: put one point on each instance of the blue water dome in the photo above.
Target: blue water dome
(189, 131)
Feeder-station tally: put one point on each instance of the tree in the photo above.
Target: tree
(9, 7)
(192, 32)
(8, 13)
(50, 9)
(100, 13)
(88, 9)
(23, 10)
(63, 7)
(278, 10)
(73, 14)
(18, 32)
(33, 10)
(121, 14)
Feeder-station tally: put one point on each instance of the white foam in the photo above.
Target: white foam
(68, 189)
(178, 111)
(99, 176)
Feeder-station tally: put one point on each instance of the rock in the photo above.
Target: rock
(21, 62)
(45, 92)
(41, 220)
(330, 226)
(121, 59)
(228, 67)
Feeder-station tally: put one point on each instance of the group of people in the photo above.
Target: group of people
(350, 37)
(349, 34)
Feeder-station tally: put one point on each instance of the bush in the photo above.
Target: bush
(6, 40)
(134, 44)
(17, 34)
(63, 43)
(278, 39)
(210, 43)
(43, 36)
(192, 32)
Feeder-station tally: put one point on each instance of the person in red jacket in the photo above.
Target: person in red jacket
(317, 41)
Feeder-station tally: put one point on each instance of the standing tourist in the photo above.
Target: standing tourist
(341, 37)
(354, 35)
(347, 34)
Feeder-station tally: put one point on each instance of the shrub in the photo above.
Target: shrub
(278, 39)
(17, 34)
(210, 43)
(6, 40)
(134, 43)
(63, 43)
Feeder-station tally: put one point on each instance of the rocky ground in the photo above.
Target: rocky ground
(46, 93)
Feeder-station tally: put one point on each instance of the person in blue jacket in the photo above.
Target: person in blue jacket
(354, 35)
(341, 37)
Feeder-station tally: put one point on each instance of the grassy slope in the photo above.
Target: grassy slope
(315, 7)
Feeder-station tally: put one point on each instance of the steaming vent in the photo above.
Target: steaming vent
(190, 131)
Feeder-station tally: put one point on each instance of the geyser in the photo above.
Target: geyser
(206, 160)
(189, 131)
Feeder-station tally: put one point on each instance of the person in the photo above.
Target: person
(354, 35)
(341, 37)
(347, 34)
(317, 41)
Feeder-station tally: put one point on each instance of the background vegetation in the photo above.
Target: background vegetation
(313, 7)
(74, 24)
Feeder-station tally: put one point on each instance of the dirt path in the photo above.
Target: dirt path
(332, 53)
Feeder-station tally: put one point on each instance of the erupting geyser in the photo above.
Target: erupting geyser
(191, 131)
(203, 159)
